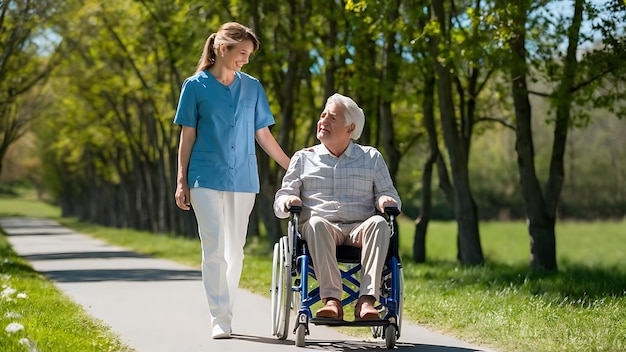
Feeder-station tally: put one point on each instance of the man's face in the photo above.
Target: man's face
(331, 127)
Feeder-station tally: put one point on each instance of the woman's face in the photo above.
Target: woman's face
(237, 56)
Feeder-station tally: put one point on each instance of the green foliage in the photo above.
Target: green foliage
(27, 53)
(108, 125)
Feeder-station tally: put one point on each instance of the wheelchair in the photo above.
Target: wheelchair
(292, 290)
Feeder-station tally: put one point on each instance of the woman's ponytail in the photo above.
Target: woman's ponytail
(208, 54)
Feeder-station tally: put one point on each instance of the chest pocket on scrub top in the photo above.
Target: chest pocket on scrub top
(248, 113)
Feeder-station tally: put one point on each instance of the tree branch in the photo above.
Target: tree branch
(503, 122)
(540, 94)
(591, 79)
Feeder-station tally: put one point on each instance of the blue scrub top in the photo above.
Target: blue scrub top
(223, 157)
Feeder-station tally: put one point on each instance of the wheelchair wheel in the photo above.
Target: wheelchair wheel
(379, 331)
(281, 289)
(274, 288)
(390, 336)
(400, 300)
(300, 333)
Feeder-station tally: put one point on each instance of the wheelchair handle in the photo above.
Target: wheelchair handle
(296, 209)
(392, 211)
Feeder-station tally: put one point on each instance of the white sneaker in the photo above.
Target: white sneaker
(221, 331)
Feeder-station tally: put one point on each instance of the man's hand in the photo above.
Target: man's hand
(292, 200)
(386, 201)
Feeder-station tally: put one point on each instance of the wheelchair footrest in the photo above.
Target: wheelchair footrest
(341, 322)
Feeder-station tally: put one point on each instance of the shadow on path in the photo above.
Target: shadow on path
(44, 231)
(90, 275)
(342, 346)
(84, 255)
(33, 227)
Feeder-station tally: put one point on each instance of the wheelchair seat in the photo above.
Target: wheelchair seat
(348, 254)
(345, 254)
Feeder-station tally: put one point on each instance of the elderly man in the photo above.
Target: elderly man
(340, 186)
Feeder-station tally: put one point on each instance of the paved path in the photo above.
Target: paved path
(159, 306)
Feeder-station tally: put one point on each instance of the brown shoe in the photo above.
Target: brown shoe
(365, 309)
(332, 309)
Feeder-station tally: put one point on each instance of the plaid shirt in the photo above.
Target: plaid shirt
(342, 190)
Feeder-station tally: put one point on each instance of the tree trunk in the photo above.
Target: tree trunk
(538, 220)
(388, 82)
(540, 224)
(541, 212)
(469, 251)
(365, 91)
(563, 101)
(421, 224)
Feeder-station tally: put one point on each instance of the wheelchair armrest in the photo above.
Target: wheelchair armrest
(295, 209)
(392, 211)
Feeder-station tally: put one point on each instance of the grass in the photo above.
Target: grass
(25, 203)
(502, 305)
(35, 316)
(505, 305)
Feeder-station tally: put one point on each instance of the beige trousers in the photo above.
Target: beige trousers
(323, 237)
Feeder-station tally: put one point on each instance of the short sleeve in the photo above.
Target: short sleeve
(187, 111)
(264, 115)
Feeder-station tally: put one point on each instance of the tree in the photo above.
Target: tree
(286, 40)
(457, 139)
(127, 90)
(26, 57)
(116, 92)
(542, 208)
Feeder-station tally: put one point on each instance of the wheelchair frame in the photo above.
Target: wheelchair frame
(292, 269)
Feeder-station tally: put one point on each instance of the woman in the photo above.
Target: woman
(222, 111)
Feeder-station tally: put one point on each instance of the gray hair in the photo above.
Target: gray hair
(352, 112)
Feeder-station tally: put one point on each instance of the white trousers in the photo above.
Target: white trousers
(222, 224)
(322, 237)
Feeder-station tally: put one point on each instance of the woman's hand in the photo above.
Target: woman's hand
(183, 200)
